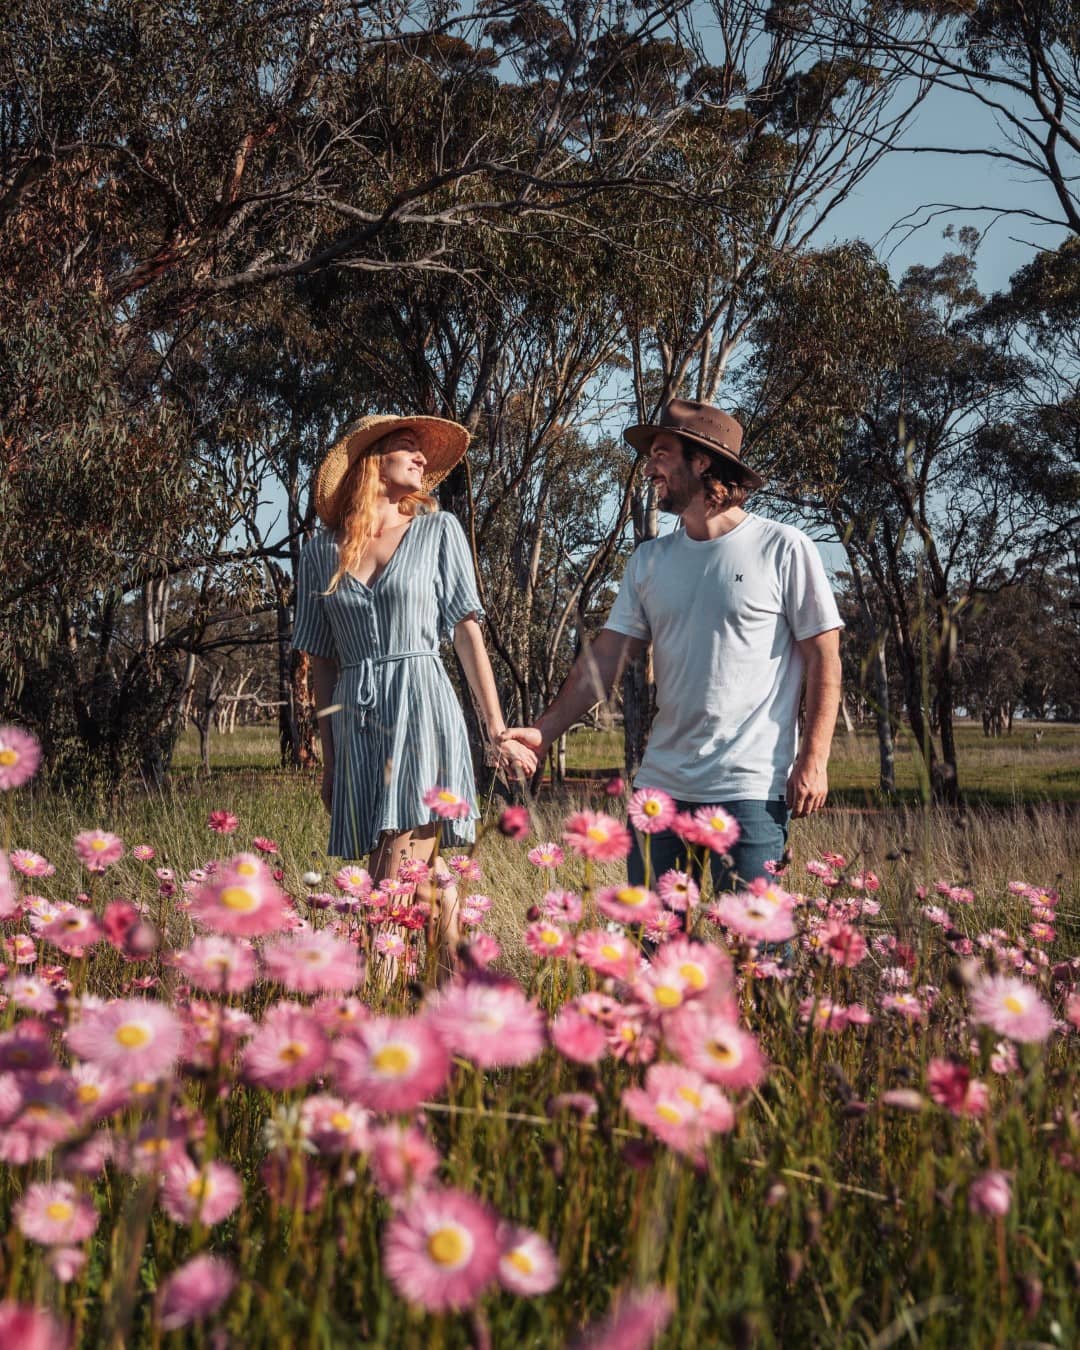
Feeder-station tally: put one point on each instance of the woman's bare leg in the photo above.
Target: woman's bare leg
(392, 850)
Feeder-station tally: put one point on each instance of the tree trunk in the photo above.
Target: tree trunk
(946, 780)
(886, 748)
(638, 691)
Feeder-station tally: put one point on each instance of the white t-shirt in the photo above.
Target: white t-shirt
(723, 616)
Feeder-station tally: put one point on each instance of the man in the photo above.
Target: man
(739, 611)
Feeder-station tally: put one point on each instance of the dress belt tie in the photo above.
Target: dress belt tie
(365, 690)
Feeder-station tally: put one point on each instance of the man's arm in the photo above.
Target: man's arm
(808, 784)
(592, 678)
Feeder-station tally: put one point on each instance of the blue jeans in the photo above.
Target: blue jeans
(763, 832)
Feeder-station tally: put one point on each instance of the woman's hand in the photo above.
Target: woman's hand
(326, 791)
(512, 756)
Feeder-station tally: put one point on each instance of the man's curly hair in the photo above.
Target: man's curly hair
(722, 491)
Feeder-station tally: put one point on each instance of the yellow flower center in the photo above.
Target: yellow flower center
(132, 1035)
(597, 834)
(692, 974)
(668, 996)
(314, 957)
(8, 757)
(632, 896)
(448, 797)
(550, 938)
(239, 898)
(721, 1052)
(200, 1188)
(520, 1261)
(446, 1246)
(393, 1060)
(651, 807)
(1013, 1004)
(610, 952)
(689, 1095)
(87, 1093)
(671, 1114)
(341, 1121)
(247, 869)
(143, 1088)
(99, 845)
(291, 1052)
(59, 1211)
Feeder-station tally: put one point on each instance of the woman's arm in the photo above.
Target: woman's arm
(324, 673)
(469, 645)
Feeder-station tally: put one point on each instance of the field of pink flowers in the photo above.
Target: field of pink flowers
(836, 1108)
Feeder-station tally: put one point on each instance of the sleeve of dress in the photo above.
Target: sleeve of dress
(456, 582)
(311, 627)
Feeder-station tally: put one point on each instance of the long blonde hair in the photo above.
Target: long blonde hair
(354, 509)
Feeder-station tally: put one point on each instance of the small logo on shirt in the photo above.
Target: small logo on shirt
(738, 576)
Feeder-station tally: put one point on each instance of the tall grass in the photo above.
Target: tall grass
(825, 1217)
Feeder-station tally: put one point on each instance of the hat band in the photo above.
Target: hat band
(702, 436)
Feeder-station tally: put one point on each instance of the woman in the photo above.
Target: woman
(376, 590)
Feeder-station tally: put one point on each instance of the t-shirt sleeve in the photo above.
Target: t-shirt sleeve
(627, 613)
(809, 604)
(458, 596)
(311, 627)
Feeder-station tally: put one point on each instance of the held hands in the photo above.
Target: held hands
(807, 787)
(516, 751)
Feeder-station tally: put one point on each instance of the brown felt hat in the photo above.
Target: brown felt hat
(706, 428)
(443, 443)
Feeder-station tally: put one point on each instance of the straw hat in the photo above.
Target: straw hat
(706, 428)
(443, 443)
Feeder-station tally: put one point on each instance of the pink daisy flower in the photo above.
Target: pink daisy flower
(30, 993)
(866, 881)
(717, 828)
(514, 823)
(143, 853)
(20, 950)
(73, 930)
(907, 1005)
(441, 1250)
(564, 906)
(608, 953)
(98, 849)
(288, 1050)
(637, 1324)
(627, 904)
(761, 914)
(353, 881)
(952, 1086)
(402, 1157)
(446, 805)
(704, 969)
(97, 1092)
(20, 755)
(313, 963)
(680, 1107)
(842, 943)
(578, 1037)
(133, 1039)
(650, 810)
(527, 1263)
(391, 1064)
(546, 855)
(466, 868)
(708, 1040)
(332, 1126)
(31, 864)
(195, 1291)
(1011, 1008)
(488, 1021)
(824, 1014)
(54, 1214)
(545, 939)
(217, 965)
(678, 890)
(596, 836)
(67, 1263)
(391, 945)
(29, 1328)
(663, 926)
(222, 822)
(206, 1194)
(481, 950)
(264, 845)
(991, 1194)
(241, 900)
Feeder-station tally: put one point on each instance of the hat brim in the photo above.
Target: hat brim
(641, 438)
(443, 443)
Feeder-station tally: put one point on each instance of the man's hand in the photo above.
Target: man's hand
(807, 787)
(516, 751)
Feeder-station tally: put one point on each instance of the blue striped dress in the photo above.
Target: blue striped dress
(399, 730)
